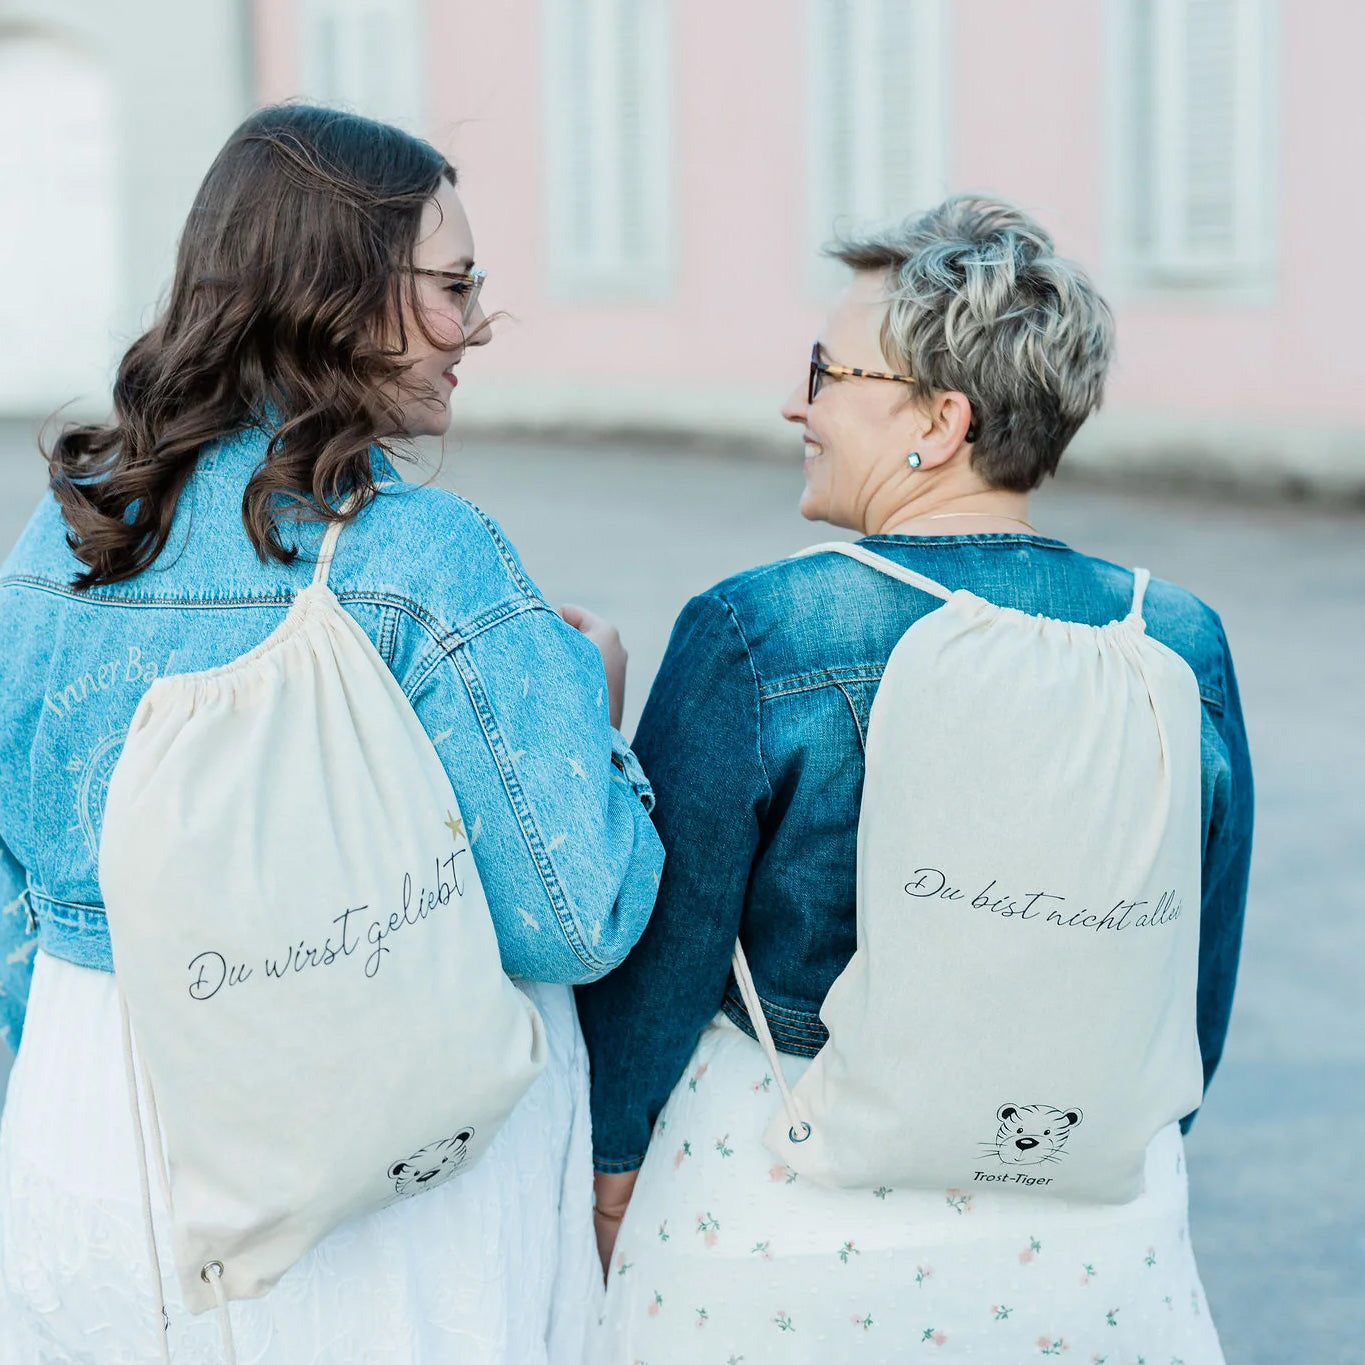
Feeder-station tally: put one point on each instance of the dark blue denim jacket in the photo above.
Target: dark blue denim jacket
(753, 740)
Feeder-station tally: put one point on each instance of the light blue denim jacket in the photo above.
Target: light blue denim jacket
(513, 699)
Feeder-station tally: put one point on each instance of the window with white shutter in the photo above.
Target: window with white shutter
(59, 268)
(608, 147)
(365, 56)
(1193, 149)
(875, 115)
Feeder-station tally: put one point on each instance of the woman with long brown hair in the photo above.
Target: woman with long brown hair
(325, 293)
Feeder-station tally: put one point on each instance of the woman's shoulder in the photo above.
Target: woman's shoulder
(1175, 617)
(1194, 630)
(810, 616)
(435, 547)
(412, 540)
(42, 553)
(794, 582)
(830, 607)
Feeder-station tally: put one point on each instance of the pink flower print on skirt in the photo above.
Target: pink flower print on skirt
(781, 1270)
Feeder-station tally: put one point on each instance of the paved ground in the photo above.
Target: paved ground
(1279, 1207)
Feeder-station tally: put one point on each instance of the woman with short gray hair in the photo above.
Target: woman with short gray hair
(947, 381)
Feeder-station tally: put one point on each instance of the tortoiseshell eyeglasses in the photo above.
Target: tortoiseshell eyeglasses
(820, 368)
(465, 286)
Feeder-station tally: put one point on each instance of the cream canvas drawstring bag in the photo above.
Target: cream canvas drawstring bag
(1019, 1013)
(319, 1016)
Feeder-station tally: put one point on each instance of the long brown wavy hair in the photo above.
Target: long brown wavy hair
(285, 313)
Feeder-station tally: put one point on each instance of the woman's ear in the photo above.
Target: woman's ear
(951, 414)
(943, 424)
(938, 429)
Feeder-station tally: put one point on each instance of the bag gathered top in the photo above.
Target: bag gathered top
(315, 1010)
(1019, 1013)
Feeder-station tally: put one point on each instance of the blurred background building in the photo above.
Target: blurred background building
(649, 182)
(110, 114)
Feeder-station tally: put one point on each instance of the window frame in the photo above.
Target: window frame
(930, 95)
(588, 258)
(404, 102)
(1167, 266)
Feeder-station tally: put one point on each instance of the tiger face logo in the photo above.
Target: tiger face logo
(434, 1164)
(1031, 1134)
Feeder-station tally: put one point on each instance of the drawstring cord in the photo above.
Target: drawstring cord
(1141, 578)
(328, 548)
(800, 1129)
(144, 1185)
(879, 562)
(212, 1273)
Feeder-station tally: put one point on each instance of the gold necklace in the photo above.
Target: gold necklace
(994, 516)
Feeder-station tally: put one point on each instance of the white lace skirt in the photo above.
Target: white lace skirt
(495, 1266)
(727, 1255)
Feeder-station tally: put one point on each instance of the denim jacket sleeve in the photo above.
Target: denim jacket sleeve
(555, 804)
(1229, 804)
(18, 943)
(699, 740)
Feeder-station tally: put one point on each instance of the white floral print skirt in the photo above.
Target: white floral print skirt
(727, 1256)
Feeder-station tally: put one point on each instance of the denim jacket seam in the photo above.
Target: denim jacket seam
(758, 698)
(381, 598)
(498, 613)
(443, 635)
(61, 588)
(449, 648)
(389, 617)
(446, 640)
(1212, 696)
(824, 677)
(530, 832)
(857, 719)
(80, 907)
(443, 647)
(504, 550)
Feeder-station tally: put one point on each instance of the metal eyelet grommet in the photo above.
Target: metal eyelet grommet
(215, 1268)
(791, 1133)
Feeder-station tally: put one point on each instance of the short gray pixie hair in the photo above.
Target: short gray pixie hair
(979, 303)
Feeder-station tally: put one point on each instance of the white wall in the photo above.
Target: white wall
(112, 113)
(59, 244)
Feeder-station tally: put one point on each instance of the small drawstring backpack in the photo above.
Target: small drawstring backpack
(315, 1011)
(1019, 1013)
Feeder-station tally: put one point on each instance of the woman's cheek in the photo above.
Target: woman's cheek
(814, 498)
(447, 331)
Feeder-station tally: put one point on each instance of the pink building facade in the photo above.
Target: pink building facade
(649, 180)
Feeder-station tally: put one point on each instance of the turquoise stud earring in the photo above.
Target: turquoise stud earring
(912, 459)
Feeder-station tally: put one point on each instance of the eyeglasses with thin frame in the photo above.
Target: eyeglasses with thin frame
(820, 368)
(466, 285)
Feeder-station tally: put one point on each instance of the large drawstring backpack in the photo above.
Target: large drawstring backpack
(1019, 1013)
(314, 1005)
